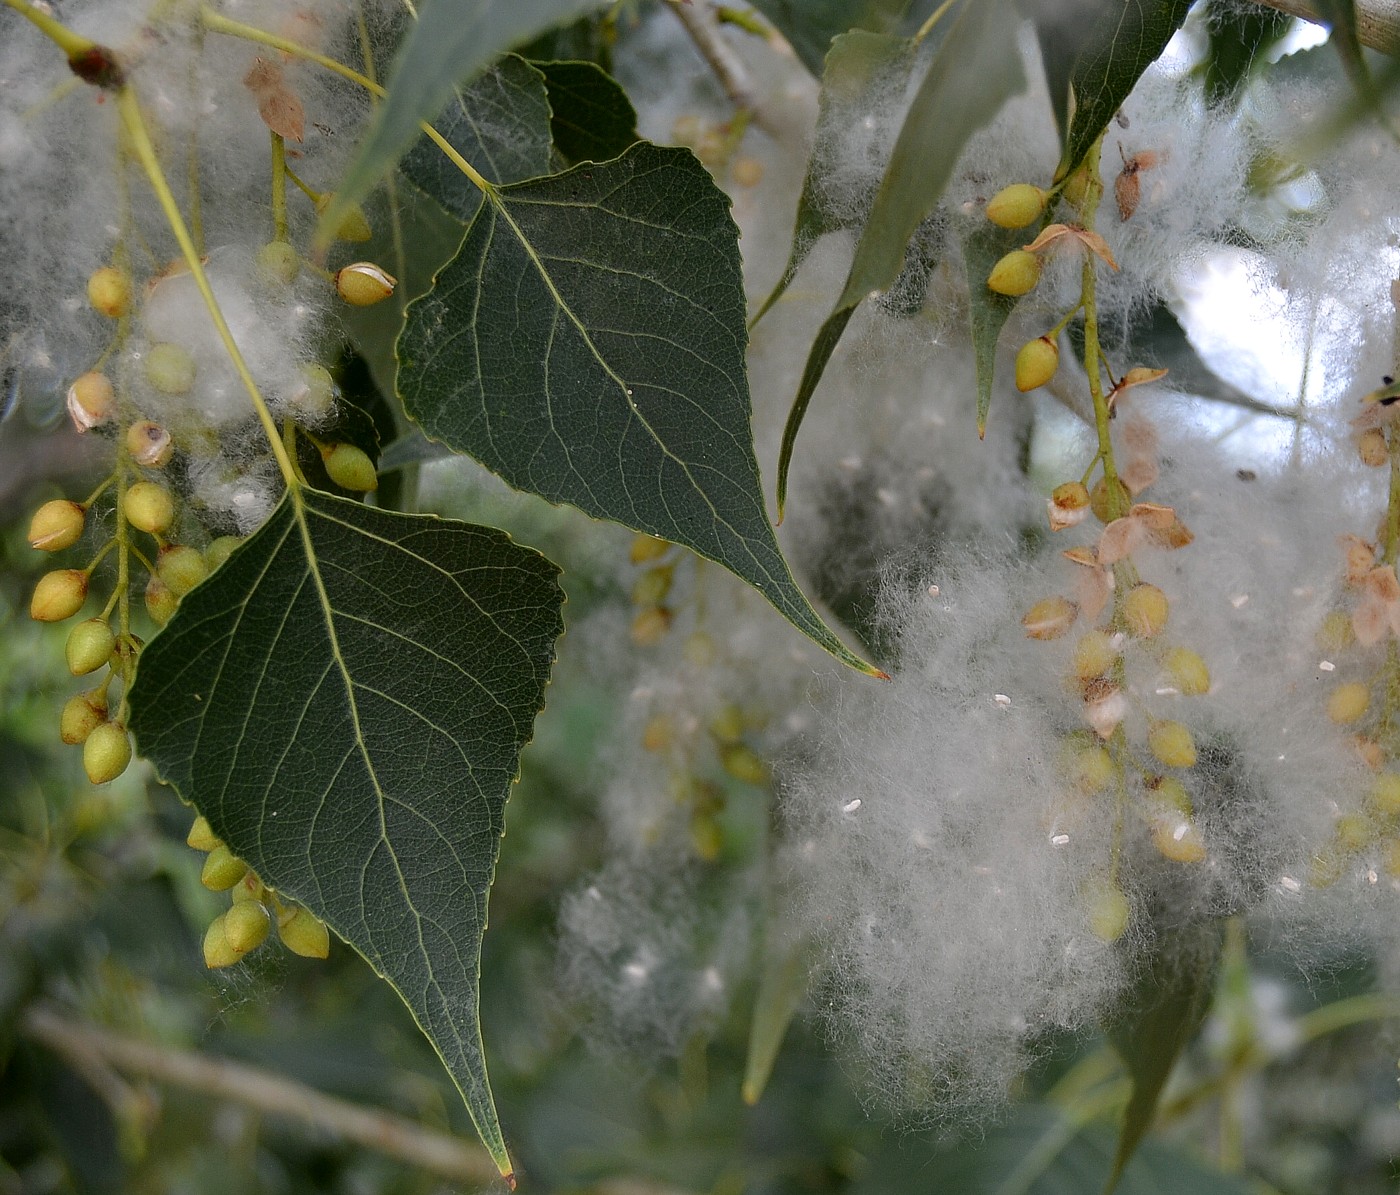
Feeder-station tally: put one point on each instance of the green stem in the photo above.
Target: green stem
(135, 126)
(72, 44)
(927, 27)
(279, 187)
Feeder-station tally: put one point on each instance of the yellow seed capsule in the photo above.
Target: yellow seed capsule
(246, 926)
(1353, 832)
(1170, 792)
(1092, 770)
(1186, 671)
(653, 586)
(161, 603)
(222, 870)
(248, 888)
(353, 227)
(650, 626)
(1036, 363)
(1172, 744)
(109, 292)
(149, 444)
(1049, 618)
(706, 836)
(349, 467)
(217, 951)
(1094, 655)
(82, 714)
(59, 595)
(1015, 274)
(1108, 909)
(743, 764)
(1109, 502)
(303, 933)
(170, 368)
(727, 726)
(1384, 796)
(149, 507)
(56, 525)
(202, 836)
(1176, 838)
(106, 753)
(1372, 448)
(1336, 633)
(89, 646)
(279, 262)
(646, 548)
(181, 568)
(220, 550)
(364, 284)
(1145, 610)
(92, 400)
(1348, 702)
(1016, 206)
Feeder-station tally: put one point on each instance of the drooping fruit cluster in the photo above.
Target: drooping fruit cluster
(254, 908)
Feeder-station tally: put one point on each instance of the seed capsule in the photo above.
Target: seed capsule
(170, 368)
(1172, 744)
(181, 568)
(56, 525)
(706, 837)
(149, 444)
(650, 626)
(364, 284)
(303, 933)
(1016, 206)
(220, 550)
(222, 870)
(246, 926)
(1109, 502)
(1186, 671)
(1108, 909)
(353, 227)
(201, 836)
(106, 753)
(349, 467)
(699, 649)
(1348, 702)
(1384, 796)
(217, 950)
(89, 646)
(743, 764)
(653, 586)
(1049, 618)
(161, 603)
(278, 261)
(1372, 448)
(1092, 770)
(1335, 633)
(727, 726)
(1145, 610)
(1036, 363)
(1353, 832)
(59, 595)
(1177, 838)
(1015, 274)
(109, 292)
(317, 394)
(82, 714)
(92, 400)
(646, 548)
(1094, 655)
(149, 507)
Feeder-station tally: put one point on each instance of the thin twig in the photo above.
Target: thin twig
(699, 20)
(1377, 21)
(221, 1078)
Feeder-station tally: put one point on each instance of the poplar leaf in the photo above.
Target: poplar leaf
(345, 700)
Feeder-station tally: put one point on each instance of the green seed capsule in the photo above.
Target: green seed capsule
(181, 568)
(161, 602)
(353, 227)
(1172, 744)
(1015, 274)
(1187, 671)
(82, 714)
(1036, 363)
(364, 284)
(106, 753)
(202, 836)
(220, 550)
(1016, 206)
(222, 870)
(58, 595)
(743, 764)
(170, 368)
(279, 262)
(56, 525)
(246, 926)
(1108, 909)
(350, 468)
(89, 646)
(149, 507)
(217, 950)
(303, 933)
(109, 292)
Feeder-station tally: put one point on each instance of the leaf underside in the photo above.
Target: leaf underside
(587, 343)
(346, 700)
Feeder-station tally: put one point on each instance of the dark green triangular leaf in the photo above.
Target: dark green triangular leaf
(1160, 1017)
(1237, 38)
(859, 66)
(593, 120)
(975, 71)
(987, 310)
(346, 700)
(587, 344)
(1113, 52)
(499, 124)
(445, 48)
(810, 25)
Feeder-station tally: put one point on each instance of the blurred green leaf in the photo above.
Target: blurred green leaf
(592, 118)
(987, 311)
(810, 25)
(975, 70)
(587, 344)
(1237, 37)
(451, 42)
(500, 124)
(346, 700)
(782, 986)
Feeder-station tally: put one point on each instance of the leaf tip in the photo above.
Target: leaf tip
(751, 1093)
(509, 1176)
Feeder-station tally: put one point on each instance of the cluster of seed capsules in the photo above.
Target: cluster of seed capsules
(1122, 667)
(254, 908)
(686, 737)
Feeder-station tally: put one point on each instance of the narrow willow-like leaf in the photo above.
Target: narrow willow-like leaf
(500, 123)
(592, 118)
(587, 344)
(450, 43)
(1114, 51)
(976, 69)
(346, 700)
(859, 67)
(1160, 1017)
(987, 310)
(782, 986)
(810, 25)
